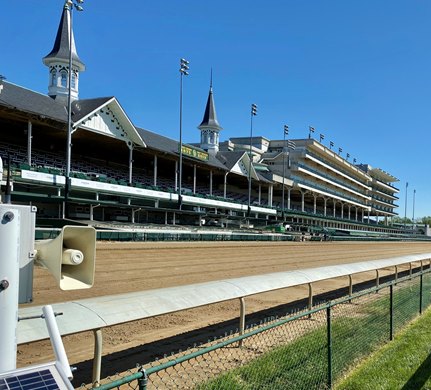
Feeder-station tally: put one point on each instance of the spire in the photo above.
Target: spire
(210, 127)
(210, 116)
(58, 59)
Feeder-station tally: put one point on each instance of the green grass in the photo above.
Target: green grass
(356, 334)
(403, 364)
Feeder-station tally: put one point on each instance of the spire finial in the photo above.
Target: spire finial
(211, 79)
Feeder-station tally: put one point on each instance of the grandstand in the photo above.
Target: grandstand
(120, 172)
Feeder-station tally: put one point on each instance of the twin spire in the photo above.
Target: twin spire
(58, 61)
(210, 127)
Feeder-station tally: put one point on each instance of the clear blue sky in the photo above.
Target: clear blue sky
(357, 71)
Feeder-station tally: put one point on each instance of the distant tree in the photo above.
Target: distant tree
(425, 220)
(401, 220)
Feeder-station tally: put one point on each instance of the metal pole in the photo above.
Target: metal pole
(405, 208)
(421, 288)
(414, 198)
(180, 173)
(249, 165)
(69, 121)
(241, 318)
(391, 312)
(329, 341)
(284, 171)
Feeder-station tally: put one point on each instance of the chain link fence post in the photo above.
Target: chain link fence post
(391, 312)
(421, 288)
(329, 341)
(143, 380)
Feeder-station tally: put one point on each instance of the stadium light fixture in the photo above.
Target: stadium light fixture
(69, 5)
(253, 113)
(285, 133)
(184, 68)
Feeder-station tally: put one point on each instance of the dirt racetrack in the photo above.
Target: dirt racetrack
(127, 267)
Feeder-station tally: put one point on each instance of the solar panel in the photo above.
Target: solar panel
(41, 377)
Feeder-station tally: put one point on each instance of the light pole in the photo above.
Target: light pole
(414, 198)
(69, 5)
(253, 113)
(184, 67)
(405, 207)
(285, 133)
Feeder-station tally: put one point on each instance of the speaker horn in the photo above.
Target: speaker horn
(70, 258)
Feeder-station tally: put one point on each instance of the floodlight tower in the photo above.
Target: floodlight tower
(184, 68)
(253, 113)
(69, 5)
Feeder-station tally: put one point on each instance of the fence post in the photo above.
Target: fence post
(241, 318)
(97, 360)
(391, 309)
(329, 341)
(143, 380)
(310, 298)
(421, 287)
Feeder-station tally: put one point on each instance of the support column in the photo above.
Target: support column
(349, 206)
(335, 203)
(29, 140)
(155, 171)
(315, 203)
(225, 185)
(325, 200)
(270, 194)
(260, 194)
(368, 216)
(302, 201)
(356, 213)
(194, 178)
(176, 175)
(342, 210)
(288, 199)
(130, 163)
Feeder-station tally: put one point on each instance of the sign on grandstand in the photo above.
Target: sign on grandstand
(192, 152)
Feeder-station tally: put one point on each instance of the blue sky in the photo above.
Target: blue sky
(357, 71)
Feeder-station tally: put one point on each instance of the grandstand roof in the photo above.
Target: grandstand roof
(107, 116)
(167, 145)
(31, 102)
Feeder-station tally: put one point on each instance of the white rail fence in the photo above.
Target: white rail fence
(100, 312)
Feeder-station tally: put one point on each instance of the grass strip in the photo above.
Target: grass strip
(403, 364)
(357, 333)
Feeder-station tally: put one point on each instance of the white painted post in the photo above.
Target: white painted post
(9, 285)
(97, 362)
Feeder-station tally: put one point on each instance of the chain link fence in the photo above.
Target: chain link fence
(308, 349)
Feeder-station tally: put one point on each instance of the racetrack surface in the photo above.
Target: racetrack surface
(127, 267)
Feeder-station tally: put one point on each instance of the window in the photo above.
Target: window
(54, 77)
(73, 83)
(63, 78)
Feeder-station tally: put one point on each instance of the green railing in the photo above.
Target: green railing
(309, 349)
